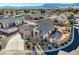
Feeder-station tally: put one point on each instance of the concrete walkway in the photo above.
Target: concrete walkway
(15, 43)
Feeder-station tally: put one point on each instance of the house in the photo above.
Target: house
(25, 30)
(44, 28)
(36, 16)
(61, 18)
(76, 21)
(76, 15)
(35, 12)
(7, 23)
(11, 25)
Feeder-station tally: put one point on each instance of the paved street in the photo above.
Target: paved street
(74, 52)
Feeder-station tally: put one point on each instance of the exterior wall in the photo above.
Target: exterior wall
(5, 25)
(0, 25)
(8, 25)
(48, 33)
(11, 24)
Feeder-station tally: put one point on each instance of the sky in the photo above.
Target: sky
(28, 4)
(21, 4)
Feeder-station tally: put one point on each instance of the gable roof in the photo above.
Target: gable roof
(44, 26)
(10, 20)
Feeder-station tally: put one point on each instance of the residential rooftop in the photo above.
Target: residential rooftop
(44, 26)
(11, 20)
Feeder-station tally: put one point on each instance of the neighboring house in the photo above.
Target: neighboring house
(61, 18)
(76, 21)
(18, 22)
(35, 12)
(6, 23)
(36, 16)
(10, 25)
(76, 15)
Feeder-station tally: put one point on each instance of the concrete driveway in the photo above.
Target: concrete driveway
(15, 43)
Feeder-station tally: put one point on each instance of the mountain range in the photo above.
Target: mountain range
(47, 5)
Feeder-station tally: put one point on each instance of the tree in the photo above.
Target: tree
(49, 47)
(57, 11)
(56, 22)
(75, 11)
(45, 40)
(26, 11)
(28, 47)
(69, 9)
(70, 17)
(26, 43)
(66, 22)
